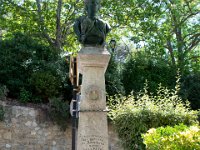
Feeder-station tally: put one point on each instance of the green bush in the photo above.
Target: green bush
(190, 90)
(112, 78)
(45, 84)
(21, 58)
(25, 96)
(2, 112)
(179, 137)
(133, 116)
(59, 112)
(140, 67)
(3, 92)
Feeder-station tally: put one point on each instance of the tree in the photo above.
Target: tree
(167, 29)
(49, 20)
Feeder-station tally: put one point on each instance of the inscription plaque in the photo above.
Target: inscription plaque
(92, 142)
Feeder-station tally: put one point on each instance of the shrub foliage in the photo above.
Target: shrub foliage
(3, 92)
(59, 112)
(45, 84)
(30, 69)
(25, 96)
(190, 89)
(2, 112)
(112, 78)
(140, 67)
(179, 137)
(135, 115)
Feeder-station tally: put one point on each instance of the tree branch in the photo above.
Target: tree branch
(170, 48)
(58, 25)
(190, 34)
(41, 23)
(195, 41)
(187, 17)
(17, 6)
(68, 22)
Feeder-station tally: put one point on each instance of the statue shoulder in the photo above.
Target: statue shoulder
(105, 24)
(101, 21)
(80, 19)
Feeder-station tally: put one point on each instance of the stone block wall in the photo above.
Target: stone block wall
(27, 128)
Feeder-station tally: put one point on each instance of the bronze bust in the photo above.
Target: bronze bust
(89, 29)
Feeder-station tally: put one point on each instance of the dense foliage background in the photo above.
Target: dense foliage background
(155, 40)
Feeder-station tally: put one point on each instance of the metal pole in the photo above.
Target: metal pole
(74, 103)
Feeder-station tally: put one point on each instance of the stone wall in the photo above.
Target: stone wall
(27, 128)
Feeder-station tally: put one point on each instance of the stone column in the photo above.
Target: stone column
(92, 128)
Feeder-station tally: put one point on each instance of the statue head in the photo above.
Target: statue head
(92, 7)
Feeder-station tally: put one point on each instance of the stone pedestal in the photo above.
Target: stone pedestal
(92, 128)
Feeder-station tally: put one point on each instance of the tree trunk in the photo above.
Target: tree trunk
(58, 26)
(169, 46)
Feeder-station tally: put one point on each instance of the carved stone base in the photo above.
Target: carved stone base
(92, 128)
